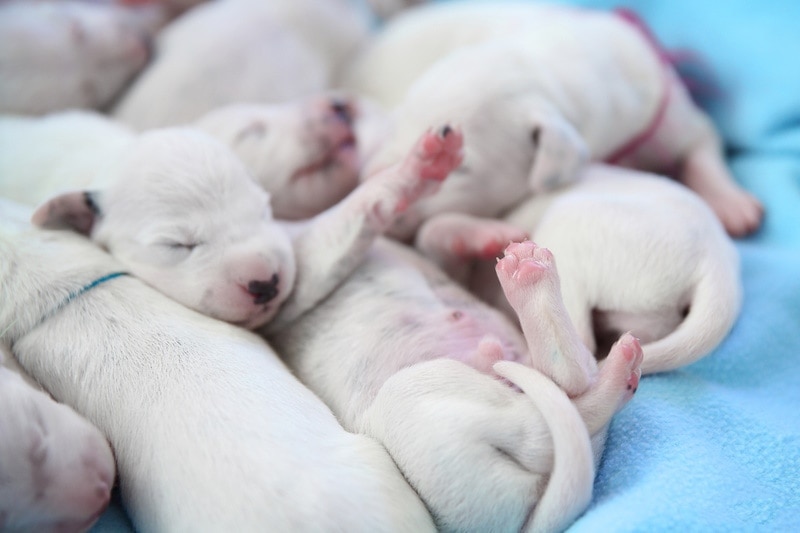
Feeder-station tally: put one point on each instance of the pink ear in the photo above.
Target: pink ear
(72, 210)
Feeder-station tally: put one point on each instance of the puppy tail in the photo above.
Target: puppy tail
(569, 489)
(713, 310)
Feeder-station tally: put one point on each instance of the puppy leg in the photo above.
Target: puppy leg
(453, 240)
(616, 384)
(528, 276)
(335, 242)
(705, 172)
(687, 142)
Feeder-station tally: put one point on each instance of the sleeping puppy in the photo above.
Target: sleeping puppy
(211, 431)
(234, 51)
(56, 469)
(59, 55)
(306, 153)
(393, 361)
(331, 278)
(182, 213)
(636, 252)
(538, 90)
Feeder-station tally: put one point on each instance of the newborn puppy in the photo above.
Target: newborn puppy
(404, 338)
(184, 215)
(391, 313)
(235, 51)
(56, 469)
(636, 252)
(303, 152)
(538, 90)
(59, 55)
(211, 431)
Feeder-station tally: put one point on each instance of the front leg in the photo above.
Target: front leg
(335, 242)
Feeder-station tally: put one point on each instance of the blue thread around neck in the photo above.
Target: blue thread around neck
(75, 294)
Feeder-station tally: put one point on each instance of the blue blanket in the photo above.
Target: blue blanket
(716, 446)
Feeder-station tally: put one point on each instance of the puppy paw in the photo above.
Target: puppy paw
(523, 265)
(740, 212)
(420, 174)
(622, 369)
(616, 383)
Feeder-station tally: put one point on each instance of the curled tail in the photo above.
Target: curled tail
(569, 489)
(713, 310)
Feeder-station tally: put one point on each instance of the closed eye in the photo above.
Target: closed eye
(181, 246)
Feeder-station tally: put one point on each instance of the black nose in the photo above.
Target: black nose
(341, 109)
(263, 291)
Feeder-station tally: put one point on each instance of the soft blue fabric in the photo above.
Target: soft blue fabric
(716, 446)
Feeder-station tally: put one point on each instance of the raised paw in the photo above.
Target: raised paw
(435, 155)
(439, 153)
(525, 262)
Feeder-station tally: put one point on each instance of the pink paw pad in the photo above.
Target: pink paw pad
(525, 261)
(632, 354)
(440, 153)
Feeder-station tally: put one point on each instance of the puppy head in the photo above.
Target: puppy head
(303, 153)
(515, 141)
(185, 216)
(56, 469)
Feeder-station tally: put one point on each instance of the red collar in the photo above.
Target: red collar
(643, 136)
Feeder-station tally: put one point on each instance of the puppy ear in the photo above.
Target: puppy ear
(559, 152)
(77, 211)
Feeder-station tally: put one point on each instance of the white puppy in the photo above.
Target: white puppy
(211, 431)
(636, 252)
(538, 89)
(326, 252)
(235, 51)
(183, 214)
(59, 55)
(56, 469)
(304, 152)
(392, 362)
(485, 454)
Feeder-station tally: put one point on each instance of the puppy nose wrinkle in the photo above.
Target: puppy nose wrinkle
(264, 291)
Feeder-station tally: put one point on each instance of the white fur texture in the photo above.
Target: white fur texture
(242, 51)
(211, 431)
(60, 55)
(635, 252)
(42, 157)
(56, 469)
(538, 89)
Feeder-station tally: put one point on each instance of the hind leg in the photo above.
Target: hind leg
(616, 384)
(687, 144)
(705, 172)
(528, 276)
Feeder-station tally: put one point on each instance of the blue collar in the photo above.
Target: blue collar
(75, 294)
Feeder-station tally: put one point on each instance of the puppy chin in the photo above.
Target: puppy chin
(251, 318)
